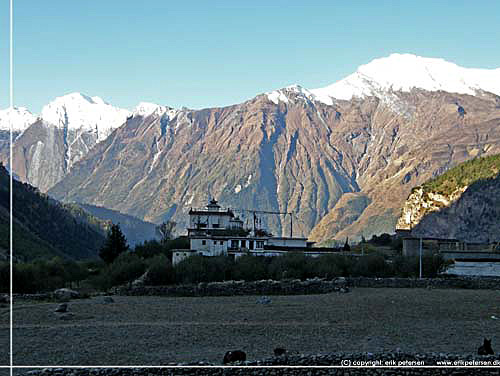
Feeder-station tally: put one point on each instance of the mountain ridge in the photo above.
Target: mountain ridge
(284, 150)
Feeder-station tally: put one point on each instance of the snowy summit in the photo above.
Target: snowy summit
(19, 117)
(404, 72)
(77, 111)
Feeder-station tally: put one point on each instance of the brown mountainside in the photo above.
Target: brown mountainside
(298, 155)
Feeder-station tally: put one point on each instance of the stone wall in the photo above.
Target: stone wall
(230, 288)
(310, 286)
(374, 365)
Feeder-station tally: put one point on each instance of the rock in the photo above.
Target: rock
(141, 281)
(66, 316)
(108, 300)
(65, 294)
(62, 308)
(264, 300)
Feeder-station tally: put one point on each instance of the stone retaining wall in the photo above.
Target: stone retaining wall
(310, 286)
(333, 359)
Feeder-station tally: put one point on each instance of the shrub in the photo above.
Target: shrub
(150, 248)
(197, 268)
(160, 271)
(325, 266)
(292, 265)
(432, 266)
(4, 277)
(126, 268)
(251, 268)
(373, 265)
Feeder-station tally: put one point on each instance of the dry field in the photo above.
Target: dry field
(159, 330)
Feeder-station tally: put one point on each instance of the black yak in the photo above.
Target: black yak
(485, 349)
(279, 351)
(235, 356)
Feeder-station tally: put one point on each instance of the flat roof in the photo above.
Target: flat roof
(285, 238)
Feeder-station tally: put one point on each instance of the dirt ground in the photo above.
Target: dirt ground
(159, 330)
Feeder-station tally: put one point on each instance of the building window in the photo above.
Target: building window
(260, 244)
(215, 242)
(203, 242)
(234, 244)
(215, 225)
(221, 242)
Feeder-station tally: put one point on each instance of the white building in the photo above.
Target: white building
(214, 231)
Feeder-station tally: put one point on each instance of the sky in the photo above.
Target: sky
(214, 53)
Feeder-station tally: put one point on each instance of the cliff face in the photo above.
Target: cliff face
(464, 204)
(289, 155)
(420, 204)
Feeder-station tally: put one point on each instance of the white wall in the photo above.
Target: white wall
(209, 248)
(288, 242)
(221, 220)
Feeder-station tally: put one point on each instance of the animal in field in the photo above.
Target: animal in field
(279, 351)
(234, 356)
(485, 349)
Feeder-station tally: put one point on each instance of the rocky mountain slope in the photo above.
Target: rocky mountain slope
(46, 146)
(463, 203)
(393, 124)
(300, 156)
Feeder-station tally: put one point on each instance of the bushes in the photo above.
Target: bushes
(124, 269)
(251, 268)
(42, 276)
(160, 271)
(4, 277)
(432, 266)
(152, 248)
(197, 269)
(373, 265)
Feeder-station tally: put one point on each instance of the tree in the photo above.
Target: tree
(347, 247)
(166, 230)
(115, 245)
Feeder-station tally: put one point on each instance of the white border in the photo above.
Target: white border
(11, 351)
(11, 200)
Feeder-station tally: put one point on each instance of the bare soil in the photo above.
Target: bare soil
(160, 330)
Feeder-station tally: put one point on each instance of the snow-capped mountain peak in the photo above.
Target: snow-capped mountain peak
(148, 108)
(78, 111)
(283, 94)
(406, 71)
(19, 117)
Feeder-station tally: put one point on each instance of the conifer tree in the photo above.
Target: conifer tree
(115, 244)
(347, 247)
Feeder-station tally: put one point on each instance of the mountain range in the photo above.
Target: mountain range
(342, 158)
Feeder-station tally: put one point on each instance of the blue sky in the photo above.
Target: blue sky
(214, 53)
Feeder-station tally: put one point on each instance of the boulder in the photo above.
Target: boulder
(108, 300)
(66, 316)
(65, 294)
(264, 300)
(62, 308)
